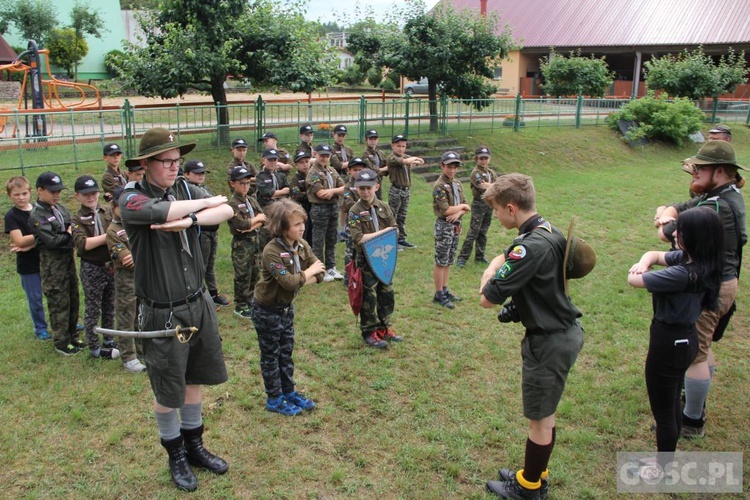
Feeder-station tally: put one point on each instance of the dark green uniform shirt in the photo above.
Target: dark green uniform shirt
(479, 175)
(375, 159)
(443, 197)
(265, 186)
(361, 222)
(118, 244)
(112, 179)
(339, 153)
(317, 180)
(399, 173)
(351, 196)
(533, 276)
(49, 233)
(240, 221)
(164, 270)
(84, 226)
(279, 282)
(303, 146)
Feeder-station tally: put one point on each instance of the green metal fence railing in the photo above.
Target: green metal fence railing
(76, 137)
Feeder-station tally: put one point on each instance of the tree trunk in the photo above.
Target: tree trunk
(219, 95)
(433, 104)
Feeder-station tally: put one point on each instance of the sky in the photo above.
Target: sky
(336, 10)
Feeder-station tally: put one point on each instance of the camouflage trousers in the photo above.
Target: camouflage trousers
(325, 221)
(99, 299)
(126, 306)
(481, 217)
(398, 200)
(275, 328)
(209, 245)
(246, 263)
(446, 235)
(349, 252)
(377, 302)
(60, 287)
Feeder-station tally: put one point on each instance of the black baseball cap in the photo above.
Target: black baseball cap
(111, 149)
(482, 151)
(267, 135)
(356, 161)
(450, 157)
(323, 149)
(195, 167)
(300, 155)
(239, 143)
(86, 184)
(398, 138)
(238, 173)
(339, 129)
(305, 129)
(371, 133)
(135, 168)
(366, 177)
(270, 153)
(50, 181)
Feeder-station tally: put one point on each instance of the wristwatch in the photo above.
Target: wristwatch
(194, 217)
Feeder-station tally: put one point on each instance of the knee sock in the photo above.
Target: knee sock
(537, 458)
(190, 416)
(168, 424)
(696, 392)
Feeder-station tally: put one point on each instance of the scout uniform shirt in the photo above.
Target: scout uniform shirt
(250, 168)
(110, 180)
(365, 218)
(479, 175)
(245, 208)
(341, 154)
(322, 178)
(49, 225)
(399, 173)
(298, 190)
(307, 148)
(169, 265)
(375, 159)
(446, 193)
(268, 182)
(86, 224)
(284, 156)
(118, 245)
(351, 196)
(533, 275)
(281, 277)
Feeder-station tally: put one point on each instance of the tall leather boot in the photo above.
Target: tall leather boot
(198, 455)
(182, 475)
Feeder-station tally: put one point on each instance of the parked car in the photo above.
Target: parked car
(419, 87)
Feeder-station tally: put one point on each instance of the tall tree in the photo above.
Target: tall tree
(576, 75)
(33, 19)
(84, 21)
(66, 49)
(455, 51)
(695, 74)
(195, 44)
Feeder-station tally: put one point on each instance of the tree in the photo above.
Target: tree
(84, 21)
(139, 4)
(66, 49)
(575, 75)
(695, 74)
(456, 51)
(33, 19)
(195, 44)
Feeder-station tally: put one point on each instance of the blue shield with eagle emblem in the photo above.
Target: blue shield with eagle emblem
(381, 253)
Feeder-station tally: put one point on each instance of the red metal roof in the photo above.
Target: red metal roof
(597, 23)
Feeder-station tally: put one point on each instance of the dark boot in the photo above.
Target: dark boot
(198, 455)
(182, 474)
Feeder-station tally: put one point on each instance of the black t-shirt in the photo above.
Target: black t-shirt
(676, 298)
(26, 262)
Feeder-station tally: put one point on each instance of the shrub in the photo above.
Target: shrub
(113, 61)
(658, 118)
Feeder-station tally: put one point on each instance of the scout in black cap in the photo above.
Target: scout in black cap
(298, 189)
(481, 177)
(720, 133)
(268, 135)
(530, 272)
(270, 141)
(112, 149)
(348, 199)
(50, 181)
(239, 143)
(341, 152)
(113, 176)
(86, 184)
(399, 171)
(239, 159)
(195, 167)
(323, 149)
(375, 157)
(272, 184)
(305, 140)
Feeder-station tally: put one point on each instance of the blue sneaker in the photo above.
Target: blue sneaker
(280, 405)
(298, 399)
(43, 335)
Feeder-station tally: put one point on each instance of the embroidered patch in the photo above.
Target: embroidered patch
(50, 219)
(504, 271)
(518, 252)
(135, 201)
(279, 266)
(282, 272)
(284, 254)
(121, 232)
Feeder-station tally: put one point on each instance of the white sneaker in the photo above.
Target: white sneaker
(329, 276)
(134, 366)
(336, 274)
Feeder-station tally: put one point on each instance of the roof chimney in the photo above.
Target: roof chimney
(483, 7)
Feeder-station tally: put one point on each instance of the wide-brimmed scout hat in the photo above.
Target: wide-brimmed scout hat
(713, 153)
(579, 259)
(155, 141)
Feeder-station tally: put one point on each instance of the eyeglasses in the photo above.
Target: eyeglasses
(169, 162)
(244, 183)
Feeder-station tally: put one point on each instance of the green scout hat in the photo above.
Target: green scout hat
(579, 259)
(155, 141)
(715, 153)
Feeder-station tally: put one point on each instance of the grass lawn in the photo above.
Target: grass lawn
(432, 417)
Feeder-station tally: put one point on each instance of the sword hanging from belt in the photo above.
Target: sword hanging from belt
(178, 331)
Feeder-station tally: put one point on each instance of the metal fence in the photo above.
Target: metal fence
(76, 137)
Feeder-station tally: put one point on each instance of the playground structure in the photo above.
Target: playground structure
(44, 93)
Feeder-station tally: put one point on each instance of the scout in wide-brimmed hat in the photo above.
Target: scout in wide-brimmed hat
(155, 141)
(712, 154)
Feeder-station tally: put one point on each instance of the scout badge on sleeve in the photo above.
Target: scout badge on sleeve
(380, 253)
(579, 259)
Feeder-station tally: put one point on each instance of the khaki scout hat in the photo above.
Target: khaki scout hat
(714, 153)
(579, 259)
(155, 141)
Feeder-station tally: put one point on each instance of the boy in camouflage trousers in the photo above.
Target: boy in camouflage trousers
(399, 171)
(350, 197)
(50, 224)
(244, 225)
(298, 189)
(481, 213)
(126, 303)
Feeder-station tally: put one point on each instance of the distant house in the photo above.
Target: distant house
(337, 40)
(7, 54)
(626, 33)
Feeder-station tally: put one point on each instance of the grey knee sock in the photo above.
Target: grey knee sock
(169, 424)
(696, 392)
(190, 415)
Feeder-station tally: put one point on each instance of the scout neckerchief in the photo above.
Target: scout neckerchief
(250, 211)
(376, 162)
(58, 215)
(295, 254)
(183, 235)
(375, 221)
(275, 182)
(97, 222)
(342, 150)
(456, 196)
(329, 178)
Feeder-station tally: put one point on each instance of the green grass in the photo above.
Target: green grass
(432, 417)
